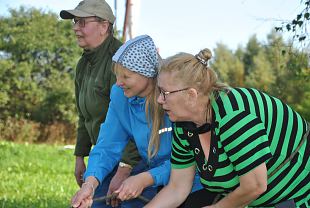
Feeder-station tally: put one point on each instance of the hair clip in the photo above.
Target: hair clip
(163, 130)
(201, 60)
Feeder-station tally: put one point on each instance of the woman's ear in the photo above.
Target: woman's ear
(193, 93)
(192, 96)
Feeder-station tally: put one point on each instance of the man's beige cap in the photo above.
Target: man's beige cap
(90, 8)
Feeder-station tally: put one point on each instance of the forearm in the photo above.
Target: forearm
(79, 158)
(235, 199)
(92, 181)
(252, 185)
(147, 179)
(241, 197)
(83, 141)
(84, 196)
(176, 191)
(161, 173)
(123, 171)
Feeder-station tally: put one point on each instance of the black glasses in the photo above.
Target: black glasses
(82, 21)
(166, 93)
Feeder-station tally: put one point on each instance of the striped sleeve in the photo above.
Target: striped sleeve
(245, 140)
(181, 155)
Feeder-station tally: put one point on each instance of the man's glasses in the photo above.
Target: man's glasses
(166, 93)
(81, 22)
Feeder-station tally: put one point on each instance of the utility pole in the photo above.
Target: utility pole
(131, 19)
(115, 11)
(127, 21)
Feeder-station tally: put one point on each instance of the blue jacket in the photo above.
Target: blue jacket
(126, 119)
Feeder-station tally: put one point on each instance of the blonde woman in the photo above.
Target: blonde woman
(249, 148)
(133, 114)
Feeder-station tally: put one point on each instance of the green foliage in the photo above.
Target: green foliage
(253, 48)
(38, 54)
(59, 103)
(229, 67)
(304, 105)
(38, 176)
(21, 92)
(262, 76)
(289, 68)
(269, 67)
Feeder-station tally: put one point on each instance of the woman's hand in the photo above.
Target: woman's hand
(133, 186)
(84, 197)
(120, 176)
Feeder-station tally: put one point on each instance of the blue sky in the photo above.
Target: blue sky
(189, 26)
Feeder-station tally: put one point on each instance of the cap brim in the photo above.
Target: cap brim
(70, 14)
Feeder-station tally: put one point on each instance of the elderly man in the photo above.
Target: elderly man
(93, 26)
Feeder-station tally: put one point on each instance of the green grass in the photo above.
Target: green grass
(35, 176)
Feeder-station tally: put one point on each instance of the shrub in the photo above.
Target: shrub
(22, 130)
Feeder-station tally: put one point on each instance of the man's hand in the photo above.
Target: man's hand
(121, 175)
(79, 170)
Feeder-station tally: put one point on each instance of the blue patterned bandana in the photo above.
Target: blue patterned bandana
(138, 55)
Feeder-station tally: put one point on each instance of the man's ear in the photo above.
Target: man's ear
(104, 27)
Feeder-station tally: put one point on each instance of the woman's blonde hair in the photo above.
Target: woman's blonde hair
(154, 113)
(193, 71)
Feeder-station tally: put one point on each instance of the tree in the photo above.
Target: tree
(290, 68)
(229, 67)
(37, 56)
(262, 76)
(274, 49)
(268, 67)
(252, 49)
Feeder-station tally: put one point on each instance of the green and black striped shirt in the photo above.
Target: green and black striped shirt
(249, 128)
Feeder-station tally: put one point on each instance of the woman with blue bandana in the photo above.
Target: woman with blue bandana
(131, 114)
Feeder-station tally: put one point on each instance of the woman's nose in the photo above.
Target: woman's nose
(160, 98)
(119, 82)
